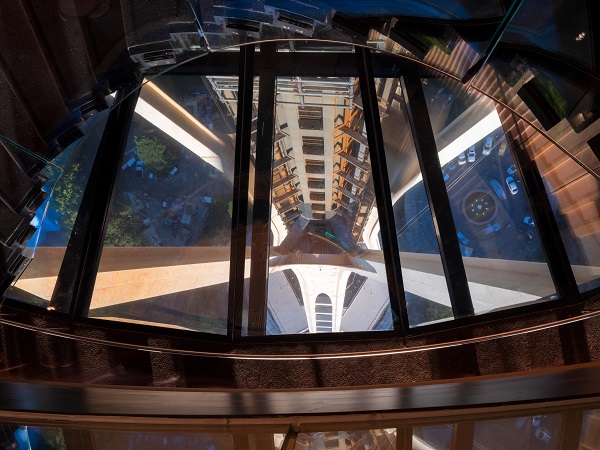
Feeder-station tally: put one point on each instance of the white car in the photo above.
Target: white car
(511, 170)
(462, 159)
(471, 157)
(512, 186)
(487, 145)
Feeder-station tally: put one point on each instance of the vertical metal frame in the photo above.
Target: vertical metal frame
(261, 220)
(240, 191)
(77, 275)
(381, 185)
(439, 203)
(552, 243)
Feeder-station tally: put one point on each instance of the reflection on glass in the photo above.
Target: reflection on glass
(166, 251)
(347, 440)
(437, 437)
(573, 195)
(532, 432)
(55, 217)
(425, 286)
(569, 117)
(502, 253)
(322, 277)
(110, 440)
(33, 437)
(590, 430)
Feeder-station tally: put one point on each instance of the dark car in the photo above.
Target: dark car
(526, 231)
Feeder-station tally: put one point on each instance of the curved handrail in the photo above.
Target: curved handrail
(300, 357)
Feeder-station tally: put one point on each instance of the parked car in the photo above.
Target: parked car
(526, 231)
(498, 189)
(462, 159)
(487, 145)
(462, 238)
(451, 165)
(536, 421)
(471, 157)
(502, 149)
(491, 228)
(446, 176)
(139, 169)
(512, 186)
(511, 170)
(173, 171)
(542, 435)
(529, 221)
(129, 163)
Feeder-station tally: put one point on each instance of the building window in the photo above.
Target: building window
(310, 117)
(317, 196)
(315, 166)
(316, 183)
(318, 207)
(318, 216)
(312, 145)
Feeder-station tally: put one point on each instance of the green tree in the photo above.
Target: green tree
(123, 230)
(67, 194)
(150, 150)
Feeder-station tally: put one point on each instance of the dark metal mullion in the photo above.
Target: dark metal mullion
(77, 273)
(435, 187)
(243, 138)
(381, 186)
(261, 220)
(404, 436)
(545, 222)
(463, 434)
(485, 56)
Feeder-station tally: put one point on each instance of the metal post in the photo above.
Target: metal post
(261, 220)
(381, 186)
(77, 275)
(437, 195)
(240, 191)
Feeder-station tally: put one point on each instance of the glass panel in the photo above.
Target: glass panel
(34, 438)
(322, 278)
(344, 440)
(438, 437)
(166, 253)
(553, 27)
(572, 190)
(55, 217)
(573, 195)
(112, 439)
(422, 271)
(502, 253)
(590, 430)
(532, 432)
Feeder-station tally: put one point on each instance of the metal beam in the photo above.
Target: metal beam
(303, 64)
(462, 435)
(261, 220)
(75, 284)
(381, 186)
(437, 195)
(570, 430)
(243, 138)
